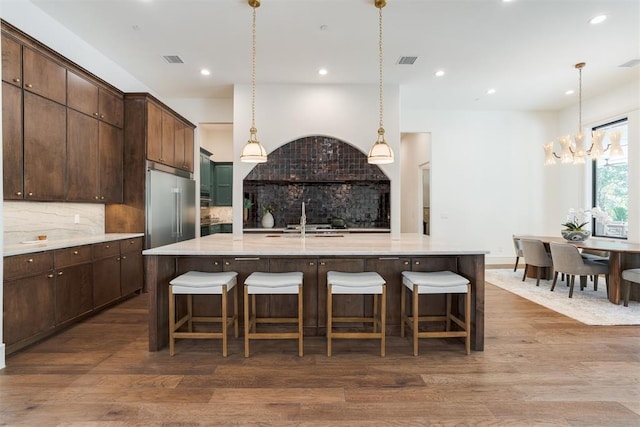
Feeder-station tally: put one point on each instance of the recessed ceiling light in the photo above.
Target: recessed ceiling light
(205, 72)
(323, 71)
(598, 19)
(491, 91)
(570, 92)
(439, 73)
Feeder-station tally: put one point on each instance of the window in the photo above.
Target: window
(610, 184)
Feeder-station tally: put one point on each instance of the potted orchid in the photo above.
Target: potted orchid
(574, 230)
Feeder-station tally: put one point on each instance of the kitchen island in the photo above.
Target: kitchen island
(314, 255)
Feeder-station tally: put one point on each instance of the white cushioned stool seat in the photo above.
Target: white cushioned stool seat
(630, 275)
(202, 283)
(274, 283)
(360, 283)
(261, 283)
(431, 283)
(355, 283)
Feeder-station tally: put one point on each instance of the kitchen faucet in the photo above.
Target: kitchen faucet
(303, 221)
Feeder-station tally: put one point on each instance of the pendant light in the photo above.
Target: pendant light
(380, 153)
(253, 151)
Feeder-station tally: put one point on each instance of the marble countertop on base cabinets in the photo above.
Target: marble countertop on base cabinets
(46, 245)
(373, 244)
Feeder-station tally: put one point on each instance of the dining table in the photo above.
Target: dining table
(622, 256)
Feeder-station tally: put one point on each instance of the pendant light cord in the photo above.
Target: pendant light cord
(253, 72)
(380, 95)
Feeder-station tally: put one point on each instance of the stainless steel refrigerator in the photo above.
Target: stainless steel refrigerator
(171, 208)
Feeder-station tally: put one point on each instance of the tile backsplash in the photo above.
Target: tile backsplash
(24, 221)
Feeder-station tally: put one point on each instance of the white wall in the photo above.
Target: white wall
(486, 175)
(288, 112)
(2, 347)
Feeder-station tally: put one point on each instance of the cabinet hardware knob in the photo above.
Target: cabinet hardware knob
(29, 85)
(118, 259)
(226, 263)
(323, 263)
(30, 193)
(417, 262)
(107, 246)
(95, 197)
(19, 193)
(16, 80)
(102, 116)
(101, 197)
(216, 263)
(60, 273)
(312, 263)
(124, 257)
(406, 263)
(75, 252)
(131, 242)
(50, 276)
(30, 260)
(95, 114)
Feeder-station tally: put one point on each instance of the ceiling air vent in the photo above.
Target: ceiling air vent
(173, 59)
(407, 60)
(630, 64)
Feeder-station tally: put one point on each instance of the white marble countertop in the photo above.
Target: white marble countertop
(38, 246)
(323, 230)
(315, 245)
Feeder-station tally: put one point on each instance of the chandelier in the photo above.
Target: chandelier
(573, 148)
(381, 152)
(253, 151)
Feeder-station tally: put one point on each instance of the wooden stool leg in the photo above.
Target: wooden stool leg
(415, 315)
(375, 312)
(254, 311)
(403, 308)
(329, 318)
(235, 311)
(448, 321)
(300, 323)
(246, 322)
(467, 320)
(224, 320)
(190, 311)
(172, 321)
(383, 321)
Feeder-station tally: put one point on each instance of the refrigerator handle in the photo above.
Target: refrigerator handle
(176, 210)
(180, 213)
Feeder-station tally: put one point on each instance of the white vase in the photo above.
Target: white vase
(267, 220)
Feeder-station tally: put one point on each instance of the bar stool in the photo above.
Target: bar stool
(438, 282)
(202, 283)
(259, 283)
(364, 283)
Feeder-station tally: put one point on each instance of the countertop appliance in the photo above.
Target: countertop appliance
(170, 205)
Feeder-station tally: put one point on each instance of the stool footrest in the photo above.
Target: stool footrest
(267, 320)
(273, 335)
(356, 334)
(198, 335)
(356, 320)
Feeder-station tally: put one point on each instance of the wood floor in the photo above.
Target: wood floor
(538, 368)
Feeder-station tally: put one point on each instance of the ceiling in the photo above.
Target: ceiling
(524, 49)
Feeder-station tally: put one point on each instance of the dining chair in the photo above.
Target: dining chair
(517, 245)
(535, 255)
(629, 276)
(568, 260)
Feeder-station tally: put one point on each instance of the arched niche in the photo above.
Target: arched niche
(330, 176)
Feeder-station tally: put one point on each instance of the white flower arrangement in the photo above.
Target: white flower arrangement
(578, 218)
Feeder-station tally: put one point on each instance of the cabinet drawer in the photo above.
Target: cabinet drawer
(104, 250)
(131, 245)
(72, 256)
(27, 264)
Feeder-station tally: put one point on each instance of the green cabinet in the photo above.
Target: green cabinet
(205, 173)
(223, 184)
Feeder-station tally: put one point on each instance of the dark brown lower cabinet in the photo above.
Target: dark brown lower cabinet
(47, 291)
(73, 292)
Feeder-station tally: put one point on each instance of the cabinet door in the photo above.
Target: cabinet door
(390, 268)
(106, 280)
(11, 61)
(82, 157)
(111, 108)
(188, 148)
(205, 174)
(28, 308)
(244, 266)
(12, 140)
(131, 276)
(223, 184)
(154, 132)
(44, 76)
(179, 149)
(286, 305)
(168, 135)
(82, 95)
(110, 159)
(73, 292)
(45, 148)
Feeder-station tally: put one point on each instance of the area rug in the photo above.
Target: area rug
(587, 306)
